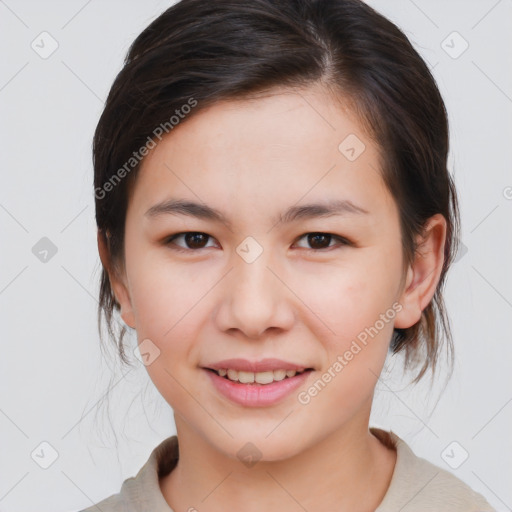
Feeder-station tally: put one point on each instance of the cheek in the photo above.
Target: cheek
(347, 299)
(355, 303)
(165, 295)
(170, 309)
(354, 359)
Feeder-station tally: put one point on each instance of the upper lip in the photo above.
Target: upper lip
(263, 365)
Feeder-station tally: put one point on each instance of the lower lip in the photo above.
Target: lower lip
(257, 395)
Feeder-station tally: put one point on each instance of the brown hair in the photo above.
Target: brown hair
(227, 49)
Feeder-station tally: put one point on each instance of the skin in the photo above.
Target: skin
(299, 302)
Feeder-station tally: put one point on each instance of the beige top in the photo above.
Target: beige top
(416, 484)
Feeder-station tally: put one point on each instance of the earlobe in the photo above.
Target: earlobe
(423, 274)
(117, 285)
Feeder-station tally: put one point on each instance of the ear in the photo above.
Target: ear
(117, 283)
(424, 273)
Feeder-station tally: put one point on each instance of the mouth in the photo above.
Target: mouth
(257, 378)
(257, 384)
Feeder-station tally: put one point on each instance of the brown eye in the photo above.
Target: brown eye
(192, 239)
(319, 241)
(196, 240)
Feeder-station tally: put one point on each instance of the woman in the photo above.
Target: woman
(274, 216)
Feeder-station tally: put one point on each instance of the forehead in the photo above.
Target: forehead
(270, 150)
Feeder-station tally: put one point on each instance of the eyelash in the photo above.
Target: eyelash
(342, 241)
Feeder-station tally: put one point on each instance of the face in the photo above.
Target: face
(263, 274)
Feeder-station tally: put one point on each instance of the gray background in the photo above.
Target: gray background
(54, 380)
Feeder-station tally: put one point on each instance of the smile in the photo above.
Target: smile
(257, 378)
(258, 383)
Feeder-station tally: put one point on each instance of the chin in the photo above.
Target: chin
(258, 445)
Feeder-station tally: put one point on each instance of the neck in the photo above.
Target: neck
(348, 470)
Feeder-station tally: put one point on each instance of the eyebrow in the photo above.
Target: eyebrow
(294, 213)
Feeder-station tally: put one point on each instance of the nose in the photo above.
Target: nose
(254, 300)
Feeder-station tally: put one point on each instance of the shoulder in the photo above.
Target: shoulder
(417, 485)
(114, 503)
(142, 492)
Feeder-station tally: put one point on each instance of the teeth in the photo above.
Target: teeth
(259, 377)
(244, 377)
(280, 374)
(264, 377)
(232, 375)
